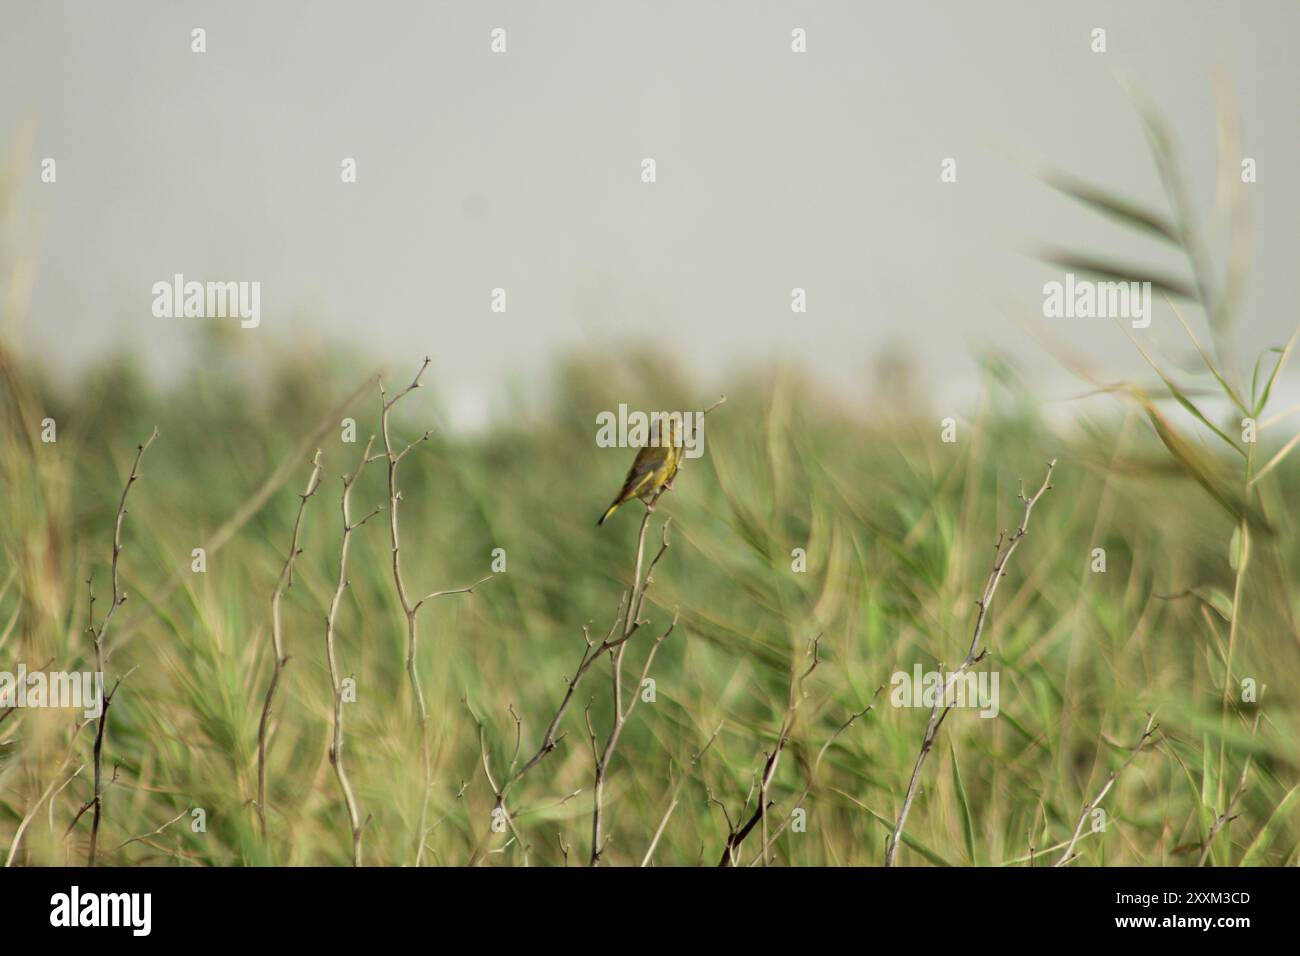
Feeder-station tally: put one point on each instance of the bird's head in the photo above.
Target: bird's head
(670, 431)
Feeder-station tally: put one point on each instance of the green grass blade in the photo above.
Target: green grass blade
(1209, 364)
(1275, 460)
(1277, 369)
(1264, 839)
(1183, 399)
(1115, 208)
(963, 804)
(1117, 272)
(909, 840)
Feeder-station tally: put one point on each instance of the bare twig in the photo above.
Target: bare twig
(242, 515)
(117, 599)
(145, 836)
(621, 631)
(500, 809)
(812, 773)
(631, 623)
(336, 683)
(737, 835)
(627, 621)
(280, 658)
(411, 609)
(1005, 547)
(677, 792)
(551, 737)
(31, 813)
(1068, 855)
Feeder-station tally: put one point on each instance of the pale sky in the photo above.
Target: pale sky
(521, 170)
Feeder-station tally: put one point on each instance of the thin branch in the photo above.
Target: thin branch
(151, 833)
(737, 836)
(677, 792)
(410, 610)
(1068, 855)
(280, 658)
(516, 836)
(624, 626)
(245, 513)
(812, 773)
(1004, 549)
(468, 589)
(631, 623)
(552, 737)
(336, 684)
(627, 621)
(117, 599)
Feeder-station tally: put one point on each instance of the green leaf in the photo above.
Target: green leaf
(1276, 459)
(1264, 839)
(1284, 354)
(1209, 363)
(908, 839)
(1181, 396)
(1207, 775)
(1215, 599)
(1201, 468)
(1254, 377)
(1218, 600)
(1117, 272)
(963, 802)
(1109, 205)
(1187, 403)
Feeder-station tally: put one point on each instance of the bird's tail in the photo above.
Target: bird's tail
(609, 511)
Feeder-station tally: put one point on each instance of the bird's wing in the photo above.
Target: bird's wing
(647, 461)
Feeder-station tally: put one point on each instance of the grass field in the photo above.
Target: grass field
(898, 528)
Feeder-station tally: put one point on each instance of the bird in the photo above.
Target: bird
(653, 469)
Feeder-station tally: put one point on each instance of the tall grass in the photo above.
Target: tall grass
(897, 530)
(1231, 481)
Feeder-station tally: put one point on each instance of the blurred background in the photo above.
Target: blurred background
(521, 171)
(775, 171)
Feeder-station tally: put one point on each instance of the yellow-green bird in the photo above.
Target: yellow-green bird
(654, 467)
